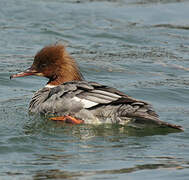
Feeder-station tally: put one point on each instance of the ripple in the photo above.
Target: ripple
(57, 174)
(172, 26)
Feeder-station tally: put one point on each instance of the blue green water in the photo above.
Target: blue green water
(138, 46)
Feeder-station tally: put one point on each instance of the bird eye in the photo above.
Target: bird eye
(42, 65)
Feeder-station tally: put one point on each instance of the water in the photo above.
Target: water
(138, 46)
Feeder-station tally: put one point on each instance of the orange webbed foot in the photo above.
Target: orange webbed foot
(67, 119)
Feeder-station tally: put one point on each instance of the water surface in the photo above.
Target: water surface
(138, 46)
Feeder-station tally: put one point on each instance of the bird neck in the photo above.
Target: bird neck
(68, 72)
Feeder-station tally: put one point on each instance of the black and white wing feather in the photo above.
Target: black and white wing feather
(76, 95)
(73, 97)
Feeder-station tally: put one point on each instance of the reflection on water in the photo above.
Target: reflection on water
(57, 174)
(41, 125)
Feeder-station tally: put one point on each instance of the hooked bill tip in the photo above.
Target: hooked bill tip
(11, 76)
(14, 75)
(22, 74)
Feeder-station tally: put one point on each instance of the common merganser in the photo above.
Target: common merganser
(69, 98)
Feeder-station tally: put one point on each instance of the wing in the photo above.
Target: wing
(71, 97)
(38, 99)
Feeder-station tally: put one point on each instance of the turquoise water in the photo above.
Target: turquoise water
(138, 46)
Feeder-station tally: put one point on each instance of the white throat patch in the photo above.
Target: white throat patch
(50, 86)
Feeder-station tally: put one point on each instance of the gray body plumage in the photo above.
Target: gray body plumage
(94, 103)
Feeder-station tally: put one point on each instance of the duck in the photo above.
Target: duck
(69, 98)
